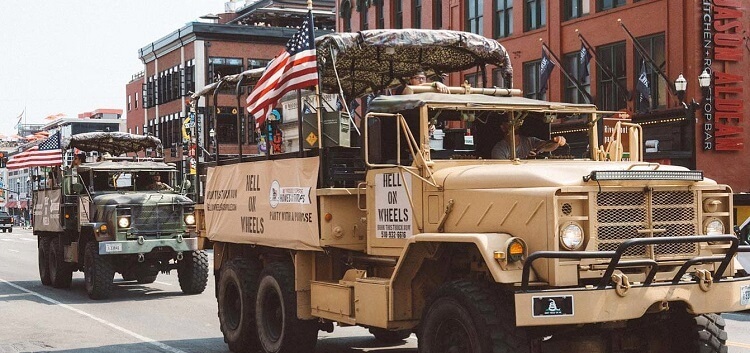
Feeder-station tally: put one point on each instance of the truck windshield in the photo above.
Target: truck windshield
(132, 181)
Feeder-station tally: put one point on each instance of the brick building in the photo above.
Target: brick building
(682, 37)
(248, 36)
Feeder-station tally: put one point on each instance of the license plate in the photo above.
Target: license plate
(552, 306)
(112, 248)
(745, 295)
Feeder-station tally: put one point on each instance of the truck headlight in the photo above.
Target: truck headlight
(190, 219)
(713, 226)
(571, 236)
(123, 222)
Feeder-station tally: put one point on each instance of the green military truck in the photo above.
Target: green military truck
(584, 249)
(108, 217)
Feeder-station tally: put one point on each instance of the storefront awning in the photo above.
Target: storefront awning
(11, 204)
(24, 204)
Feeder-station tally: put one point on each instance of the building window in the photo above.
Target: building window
(437, 14)
(503, 18)
(611, 96)
(380, 14)
(654, 46)
(346, 15)
(536, 14)
(571, 94)
(575, 9)
(474, 16)
(220, 67)
(137, 96)
(609, 4)
(257, 63)
(129, 105)
(189, 77)
(497, 78)
(531, 80)
(398, 14)
(363, 21)
(473, 79)
(416, 13)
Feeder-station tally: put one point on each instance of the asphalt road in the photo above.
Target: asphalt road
(151, 318)
(155, 317)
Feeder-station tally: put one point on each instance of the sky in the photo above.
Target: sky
(74, 56)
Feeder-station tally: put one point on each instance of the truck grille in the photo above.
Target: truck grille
(621, 214)
(156, 219)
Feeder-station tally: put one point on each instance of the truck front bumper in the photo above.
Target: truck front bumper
(145, 246)
(615, 299)
(583, 306)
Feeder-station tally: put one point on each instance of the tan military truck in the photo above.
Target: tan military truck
(582, 249)
(108, 216)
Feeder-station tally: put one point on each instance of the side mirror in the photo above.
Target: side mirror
(186, 184)
(77, 188)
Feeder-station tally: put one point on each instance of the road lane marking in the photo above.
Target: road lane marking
(28, 239)
(11, 250)
(100, 320)
(164, 283)
(737, 344)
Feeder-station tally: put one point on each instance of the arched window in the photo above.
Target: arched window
(346, 14)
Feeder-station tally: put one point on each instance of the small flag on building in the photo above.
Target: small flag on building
(45, 154)
(644, 89)
(584, 57)
(545, 70)
(294, 68)
(20, 116)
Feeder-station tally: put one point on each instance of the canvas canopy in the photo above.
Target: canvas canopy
(368, 61)
(115, 143)
(393, 104)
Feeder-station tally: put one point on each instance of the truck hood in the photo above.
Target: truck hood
(140, 198)
(543, 173)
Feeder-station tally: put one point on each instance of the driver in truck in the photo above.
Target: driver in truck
(526, 146)
(157, 185)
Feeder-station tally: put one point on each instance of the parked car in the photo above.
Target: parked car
(6, 222)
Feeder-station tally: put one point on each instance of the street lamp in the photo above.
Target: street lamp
(680, 85)
(704, 80)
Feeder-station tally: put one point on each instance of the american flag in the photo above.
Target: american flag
(293, 68)
(45, 154)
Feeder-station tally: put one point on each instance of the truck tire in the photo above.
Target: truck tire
(466, 316)
(700, 334)
(389, 336)
(128, 276)
(279, 329)
(43, 252)
(60, 272)
(237, 287)
(98, 272)
(192, 272)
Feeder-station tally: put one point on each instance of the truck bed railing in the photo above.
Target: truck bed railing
(616, 256)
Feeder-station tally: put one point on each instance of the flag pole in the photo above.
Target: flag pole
(567, 75)
(641, 50)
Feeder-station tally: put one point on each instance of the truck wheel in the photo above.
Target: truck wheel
(98, 272)
(466, 316)
(128, 276)
(279, 329)
(192, 272)
(700, 333)
(236, 298)
(43, 252)
(60, 272)
(388, 336)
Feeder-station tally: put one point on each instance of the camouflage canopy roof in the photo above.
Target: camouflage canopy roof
(127, 166)
(114, 143)
(371, 60)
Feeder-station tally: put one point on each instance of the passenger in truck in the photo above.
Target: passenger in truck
(157, 185)
(420, 79)
(526, 146)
